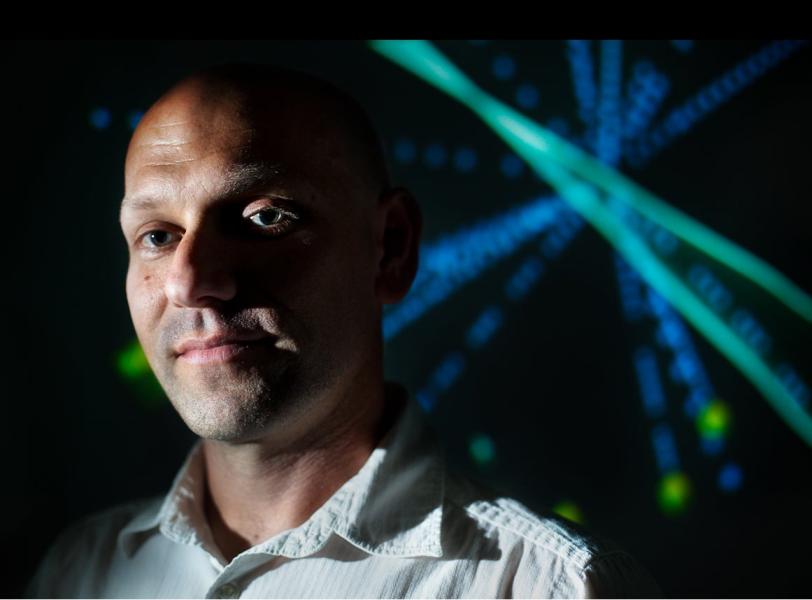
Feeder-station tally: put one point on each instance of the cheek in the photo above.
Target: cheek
(343, 292)
(327, 283)
(143, 298)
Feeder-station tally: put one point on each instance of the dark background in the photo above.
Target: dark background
(554, 390)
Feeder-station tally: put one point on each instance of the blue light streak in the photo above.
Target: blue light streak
(449, 370)
(651, 387)
(484, 327)
(583, 77)
(795, 384)
(559, 238)
(489, 321)
(746, 325)
(525, 277)
(634, 303)
(663, 241)
(686, 367)
(742, 321)
(683, 118)
(608, 149)
(645, 93)
(665, 449)
(452, 261)
(710, 288)
(609, 107)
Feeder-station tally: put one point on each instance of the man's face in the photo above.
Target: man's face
(251, 223)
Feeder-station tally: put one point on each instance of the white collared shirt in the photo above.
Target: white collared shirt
(401, 527)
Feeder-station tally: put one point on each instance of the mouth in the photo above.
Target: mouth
(224, 352)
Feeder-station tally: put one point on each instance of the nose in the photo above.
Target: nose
(200, 274)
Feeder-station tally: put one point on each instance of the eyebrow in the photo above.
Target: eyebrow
(239, 179)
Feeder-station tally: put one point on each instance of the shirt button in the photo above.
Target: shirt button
(227, 590)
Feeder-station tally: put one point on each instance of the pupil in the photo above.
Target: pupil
(273, 219)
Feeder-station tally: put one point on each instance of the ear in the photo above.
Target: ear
(399, 224)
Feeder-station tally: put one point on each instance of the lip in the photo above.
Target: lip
(221, 345)
(220, 353)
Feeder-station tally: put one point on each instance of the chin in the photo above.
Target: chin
(222, 431)
(223, 418)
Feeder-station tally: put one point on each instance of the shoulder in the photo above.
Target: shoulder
(78, 555)
(544, 555)
(511, 523)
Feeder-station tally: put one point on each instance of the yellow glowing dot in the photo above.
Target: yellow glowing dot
(674, 493)
(713, 421)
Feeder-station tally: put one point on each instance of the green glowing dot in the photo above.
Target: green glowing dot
(569, 510)
(131, 361)
(482, 449)
(713, 421)
(132, 364)
(674, 493)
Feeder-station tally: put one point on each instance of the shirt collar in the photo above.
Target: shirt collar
(392, 506)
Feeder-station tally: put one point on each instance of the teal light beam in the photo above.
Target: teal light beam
(539, 148)
(424, 60)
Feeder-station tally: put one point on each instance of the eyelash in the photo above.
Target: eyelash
(276, 228)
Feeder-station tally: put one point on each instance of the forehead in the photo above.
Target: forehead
(214, 141)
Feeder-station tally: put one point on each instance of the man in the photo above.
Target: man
(264, 239)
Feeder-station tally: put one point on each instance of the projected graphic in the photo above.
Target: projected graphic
(649, 235)
(678, 280)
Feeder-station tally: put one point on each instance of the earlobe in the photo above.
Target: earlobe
(400, 226)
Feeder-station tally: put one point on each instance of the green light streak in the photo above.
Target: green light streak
(427, 62)
(546, 153)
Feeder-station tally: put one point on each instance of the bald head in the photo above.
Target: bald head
(256, 109)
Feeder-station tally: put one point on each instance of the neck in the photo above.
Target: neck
(257, 490)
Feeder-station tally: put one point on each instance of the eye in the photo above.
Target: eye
(271, 218)
(156, 239)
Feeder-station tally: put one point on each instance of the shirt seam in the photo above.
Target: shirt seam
(600, 557)
(582, 559)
